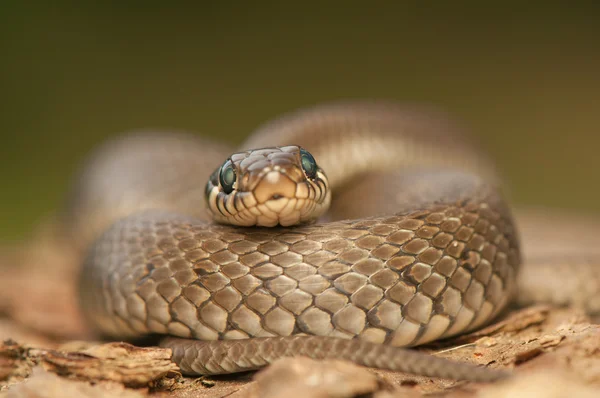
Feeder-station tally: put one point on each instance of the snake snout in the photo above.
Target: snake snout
(274, 185)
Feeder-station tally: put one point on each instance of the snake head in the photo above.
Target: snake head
(268, 187)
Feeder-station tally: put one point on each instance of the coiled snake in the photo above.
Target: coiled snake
(418, 245)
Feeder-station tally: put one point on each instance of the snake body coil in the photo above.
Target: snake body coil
(419, 245)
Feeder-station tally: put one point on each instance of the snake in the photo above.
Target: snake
(349, 230)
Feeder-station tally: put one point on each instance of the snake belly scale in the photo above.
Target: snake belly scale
(437, 255)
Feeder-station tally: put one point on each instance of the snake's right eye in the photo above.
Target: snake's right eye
(227, 177)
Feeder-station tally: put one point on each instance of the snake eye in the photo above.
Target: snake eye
(308, 163)
(227, 177)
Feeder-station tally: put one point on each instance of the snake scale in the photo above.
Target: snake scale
(418, 245)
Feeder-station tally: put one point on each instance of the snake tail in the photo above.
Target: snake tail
(231, 356)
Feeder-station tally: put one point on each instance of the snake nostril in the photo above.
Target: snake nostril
(276, 196)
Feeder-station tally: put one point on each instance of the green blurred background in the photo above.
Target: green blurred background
(524, 78)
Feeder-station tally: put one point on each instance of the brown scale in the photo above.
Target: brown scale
(435, 255)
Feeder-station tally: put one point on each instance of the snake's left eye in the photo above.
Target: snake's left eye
(227, 177)
(308, 163)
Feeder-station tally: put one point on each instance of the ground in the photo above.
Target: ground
(46, 351)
